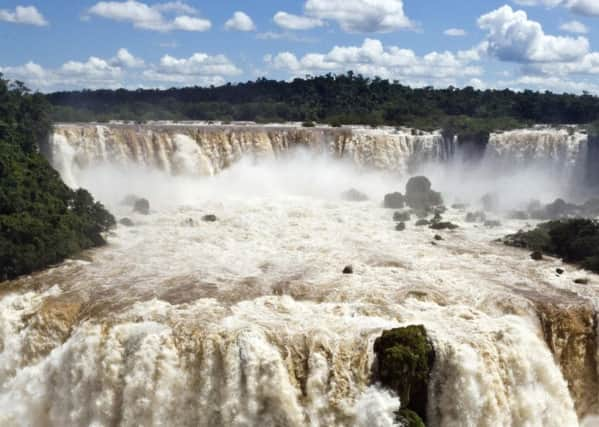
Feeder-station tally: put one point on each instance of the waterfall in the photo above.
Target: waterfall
(249, 321)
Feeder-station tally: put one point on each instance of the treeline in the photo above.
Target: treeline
(42, 221)
(331, 99)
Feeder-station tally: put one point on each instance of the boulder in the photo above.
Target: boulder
(420, 196)
(559, 271)
(401, 216)
(209, 218)
(142, 206)
(394, 201)
(405, 359)
(537, 256)
(353, 195)
(401, 226)
(581, 281)
(348, 269)
(443, 226)
(126, 222)
(438, 237)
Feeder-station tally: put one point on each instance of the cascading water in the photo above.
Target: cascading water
(249, 321)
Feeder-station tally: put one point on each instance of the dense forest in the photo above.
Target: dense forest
(42, 221)
(332, 99)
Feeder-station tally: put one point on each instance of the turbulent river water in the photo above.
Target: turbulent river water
(249, 320)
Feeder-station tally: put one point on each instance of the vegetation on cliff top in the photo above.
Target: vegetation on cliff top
(333, 99)
(42, 221)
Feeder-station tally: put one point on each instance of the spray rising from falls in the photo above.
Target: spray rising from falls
(248, 320)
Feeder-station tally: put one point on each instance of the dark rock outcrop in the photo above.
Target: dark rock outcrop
(348, 269)
(209, 218)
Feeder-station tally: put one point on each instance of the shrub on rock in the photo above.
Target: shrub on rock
(405, 359)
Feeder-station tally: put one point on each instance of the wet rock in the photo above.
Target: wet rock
(126, 222)
(582, 281)
(348, 269)
(209, 218)
(394, 201)
(476, 217)
(401, 226)
(142, 206)
(405, 358)
(537, 256)
(420, 196)
(492, 224)
(401, 216)
(438, 237)
(422, 223)
(353, 195)
(443, 226)
(559, 271)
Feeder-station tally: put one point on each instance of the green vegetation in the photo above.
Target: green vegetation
(336, 100)
(42, 221)
(405, 360)
(573, 240)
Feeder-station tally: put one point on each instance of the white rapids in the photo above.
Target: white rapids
(248, 321)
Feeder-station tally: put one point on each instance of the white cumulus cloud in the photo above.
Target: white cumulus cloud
(354, 16)
(289, 21)
(152, 17)
(581, 7)
(575, 27)
(23, 15)
(372, 58)
(240, 21)
(455, 32)
(511, 36)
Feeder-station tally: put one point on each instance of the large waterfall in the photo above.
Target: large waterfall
(249, 321)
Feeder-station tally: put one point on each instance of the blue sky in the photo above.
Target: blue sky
(66, 44)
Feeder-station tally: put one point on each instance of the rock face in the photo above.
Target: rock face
(394, 201)
(142, 206)
(405, 359)
(571, 334)
(420, 196)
